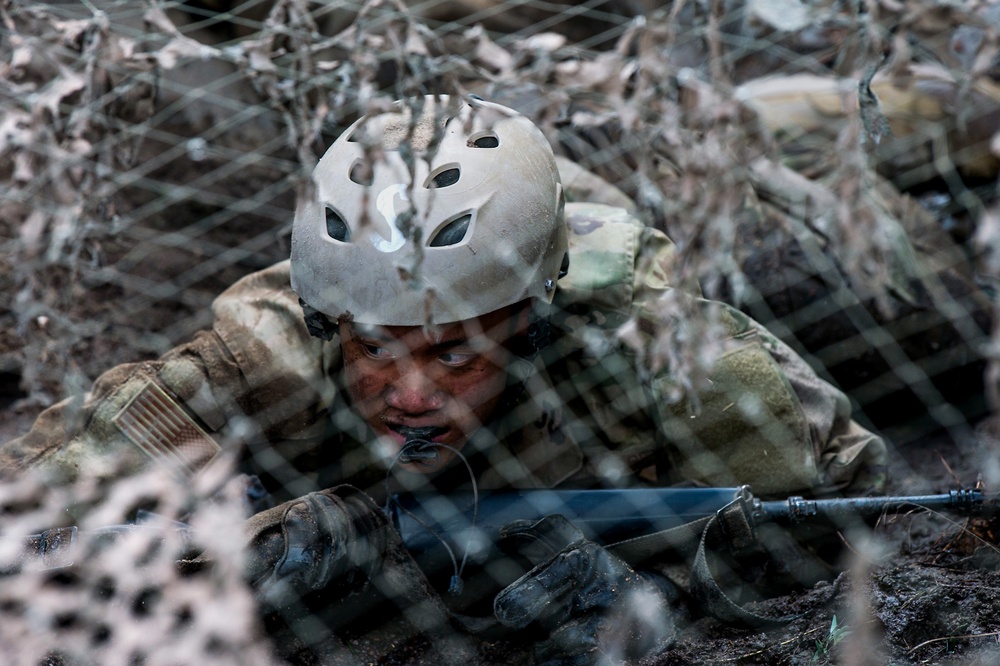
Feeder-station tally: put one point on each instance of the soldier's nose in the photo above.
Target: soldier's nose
(414, 393)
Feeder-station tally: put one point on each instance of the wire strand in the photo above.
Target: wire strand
(418, 449)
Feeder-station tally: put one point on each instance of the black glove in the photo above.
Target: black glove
(303, 545)
(592, 604)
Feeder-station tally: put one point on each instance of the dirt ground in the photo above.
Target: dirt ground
(924, 592)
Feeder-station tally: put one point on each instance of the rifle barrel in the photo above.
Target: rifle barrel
(798, 510)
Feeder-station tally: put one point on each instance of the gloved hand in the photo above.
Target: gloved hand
(593, 605)
(305, 544)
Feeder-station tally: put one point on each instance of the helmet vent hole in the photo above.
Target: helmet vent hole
(453, 232)
(485, 141)
(361, 173)
(447, 177)
(336, 227)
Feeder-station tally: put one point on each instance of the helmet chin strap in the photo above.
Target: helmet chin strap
(539, 336)
(525, 350)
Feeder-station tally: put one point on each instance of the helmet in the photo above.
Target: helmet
(437, 211)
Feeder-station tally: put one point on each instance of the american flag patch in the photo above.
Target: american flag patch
(155, 423)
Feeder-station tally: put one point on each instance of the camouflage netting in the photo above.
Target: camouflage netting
(829, 167)
(130, 598)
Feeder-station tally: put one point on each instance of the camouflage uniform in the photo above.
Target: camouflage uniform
(586, 415)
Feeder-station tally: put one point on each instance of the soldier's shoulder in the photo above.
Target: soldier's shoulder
(582, 185)
(600, 236)
(273, 278)
(603, 243)
(269, 285)
(584, 218)
(262, 306)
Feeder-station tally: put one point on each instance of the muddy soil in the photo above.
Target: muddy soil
(924, 590)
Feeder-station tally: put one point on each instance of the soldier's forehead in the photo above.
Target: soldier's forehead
(454, 331)
(496, 322)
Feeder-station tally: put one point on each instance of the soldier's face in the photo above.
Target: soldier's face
(450, 378)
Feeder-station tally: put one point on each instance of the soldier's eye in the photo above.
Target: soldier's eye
(454, 360)
(376, 352)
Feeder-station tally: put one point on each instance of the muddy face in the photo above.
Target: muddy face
(444, 382)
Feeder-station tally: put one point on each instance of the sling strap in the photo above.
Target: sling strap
(731, 527)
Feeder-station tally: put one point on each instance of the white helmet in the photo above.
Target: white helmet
(438, 211)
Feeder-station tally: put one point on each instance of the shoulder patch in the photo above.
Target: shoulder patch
(161, 428)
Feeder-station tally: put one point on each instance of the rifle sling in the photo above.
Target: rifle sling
(729, 527)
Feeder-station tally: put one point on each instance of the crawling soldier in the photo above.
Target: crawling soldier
(445, 314)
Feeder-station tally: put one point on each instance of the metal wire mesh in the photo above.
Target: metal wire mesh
(831, 169)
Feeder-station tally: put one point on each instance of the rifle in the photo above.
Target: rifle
(441, 529)
(633, 523)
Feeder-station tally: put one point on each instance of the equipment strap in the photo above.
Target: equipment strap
(731, 527)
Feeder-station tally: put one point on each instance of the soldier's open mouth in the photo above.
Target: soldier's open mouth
(418, 446)
(423, 432)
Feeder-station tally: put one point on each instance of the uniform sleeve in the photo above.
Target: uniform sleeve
(256, 373)
(763, 417)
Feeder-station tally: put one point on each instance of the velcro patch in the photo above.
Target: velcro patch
(159, 426)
